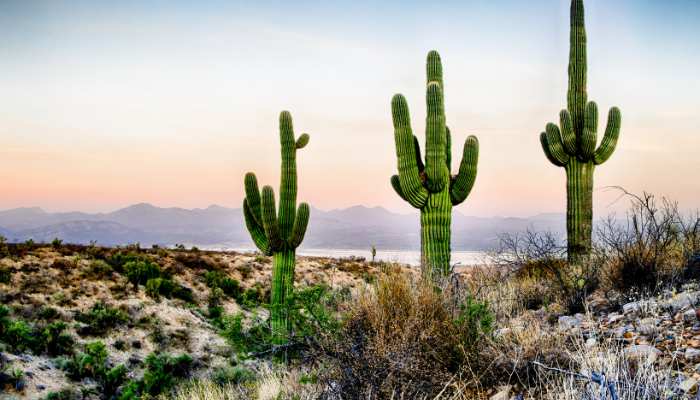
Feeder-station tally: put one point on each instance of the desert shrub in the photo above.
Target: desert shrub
(157, 287)
(93, 363)
(536, 260)
(139, 272)
(232, 375)
(254, 296)
(99, 269)
(48, 313)
(56, 243)
(100, 318)
(652, 247)
(5, 275)
(406, 338)
(55, 341)
(64, 394)
(216, 279)
(119, 259)
(163, 371)
(312, 315)
(22, 336)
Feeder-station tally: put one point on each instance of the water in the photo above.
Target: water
(410, 257)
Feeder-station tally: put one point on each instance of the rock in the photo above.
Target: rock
(642, 352)
(688, 385)
(614, 317)
(591, 342)
(567, 322)
(501, 332)
(690, 315)
(691, 354)
(503, 394)
(682, 301)
(40, 388)
(632, 307)
(648, 326)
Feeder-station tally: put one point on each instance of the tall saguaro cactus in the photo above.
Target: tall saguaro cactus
(279, 233)
(574, 145)
(430, 186)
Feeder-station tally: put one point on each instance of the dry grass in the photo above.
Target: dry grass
(407, 338)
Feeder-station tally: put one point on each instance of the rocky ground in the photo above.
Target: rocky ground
(662, 330)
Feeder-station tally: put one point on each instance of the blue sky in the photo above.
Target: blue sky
(110, 103)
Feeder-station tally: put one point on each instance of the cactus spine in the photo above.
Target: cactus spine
(279, 233)
(574, 145)
(429, 186)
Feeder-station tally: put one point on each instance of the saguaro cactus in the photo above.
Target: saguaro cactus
(279, 233)
(430, 186)
(574, 145)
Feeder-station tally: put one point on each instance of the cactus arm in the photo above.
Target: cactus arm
(288, 181)
(577, 95)
(464, 181)
(269, 218)
(435, 162)
(612, 132)
(589, 138)
(302, 141)
(396, 184)
(555, 145)
(448, 150)
(409, 174)
(252, 195)
(257, 233)
(567, 132)
(300, 224)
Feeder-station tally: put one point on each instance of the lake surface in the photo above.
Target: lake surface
(399, 256)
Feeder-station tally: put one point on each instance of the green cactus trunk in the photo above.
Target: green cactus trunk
(572, 144)
(579, 209)
(435, 222)
(429, 186)
(282, 287)
(279, 234)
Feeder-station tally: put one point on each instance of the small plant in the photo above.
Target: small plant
(139, 272)
(373, 251)
(231, 287)
(5, 275)
(163, 371)
(64, 394)
(100, 318)
(157, 287)
(99, 269)
(56, 243)
(232, 375)
(93, 363)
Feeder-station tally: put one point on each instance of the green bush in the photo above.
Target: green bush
(63, 394)
(101, 318)
(99, 269)
(232, 375)
(139, 272)
(55, 341)
(157, 287)
(21, 336)
(5, 275)
(312, 313)
(92, 363)
(231, 287)
(120, 259)
(162, 373)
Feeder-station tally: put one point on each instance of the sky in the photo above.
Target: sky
(106, 104)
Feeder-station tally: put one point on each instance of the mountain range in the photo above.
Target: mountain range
(356, 227)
